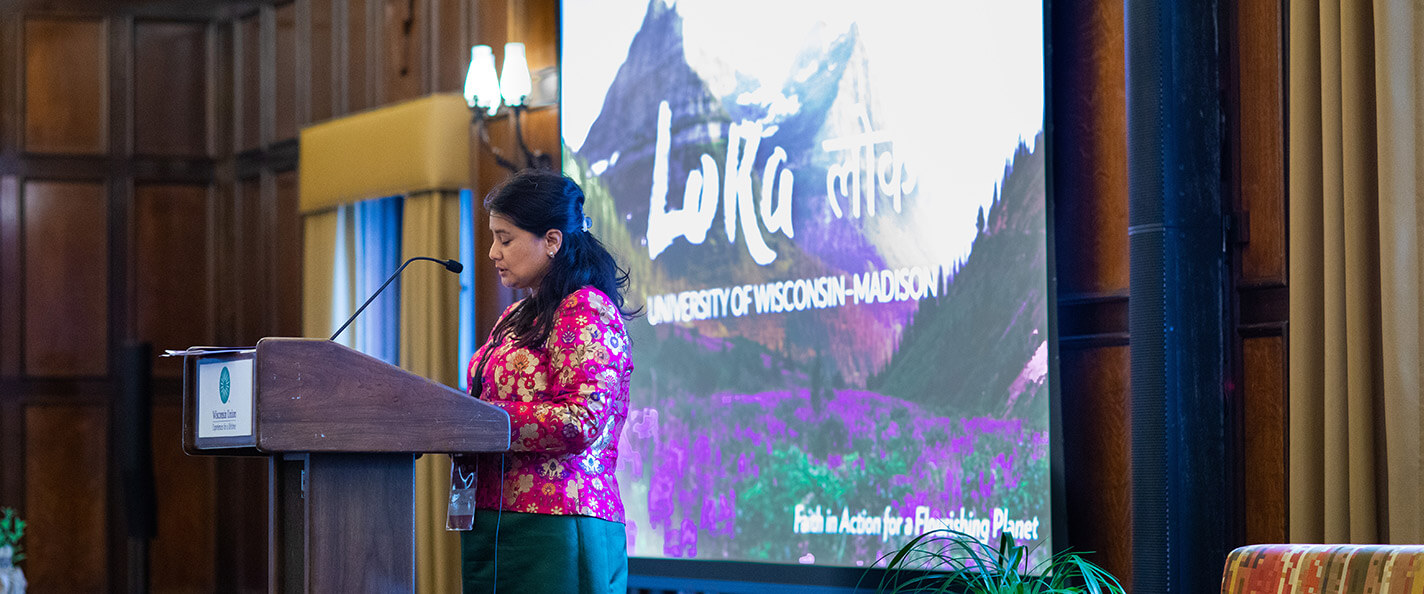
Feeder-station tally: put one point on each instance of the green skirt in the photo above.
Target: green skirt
(543, 553)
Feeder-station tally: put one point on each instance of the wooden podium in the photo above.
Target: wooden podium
(343, 430)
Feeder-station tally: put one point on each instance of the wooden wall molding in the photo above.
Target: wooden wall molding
(12, 288)
(66, 278)
(1256, 185)
(83, 237)
(65, 102)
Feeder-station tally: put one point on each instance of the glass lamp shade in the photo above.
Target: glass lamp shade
(514, 81)
(481, 86)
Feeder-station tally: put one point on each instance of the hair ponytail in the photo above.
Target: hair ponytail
(537, 200)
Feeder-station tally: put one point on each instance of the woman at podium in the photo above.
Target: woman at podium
(548, 516)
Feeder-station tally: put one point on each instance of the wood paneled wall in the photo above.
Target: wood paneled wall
(106, 189)
(148, 192)
(1256, 118)
(1089, 152)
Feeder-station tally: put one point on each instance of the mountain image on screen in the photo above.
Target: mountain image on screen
(831, 434)
(624, 136)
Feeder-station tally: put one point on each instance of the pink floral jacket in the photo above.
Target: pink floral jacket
(567, 403)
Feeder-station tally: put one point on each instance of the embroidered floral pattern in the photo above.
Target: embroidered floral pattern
(567, 403)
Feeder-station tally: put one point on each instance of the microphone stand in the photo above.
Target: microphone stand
(450, 265)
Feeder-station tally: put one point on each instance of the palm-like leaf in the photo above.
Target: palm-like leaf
(11, 529)
(946, 561)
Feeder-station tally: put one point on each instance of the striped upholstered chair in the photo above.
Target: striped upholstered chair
(1324, 569)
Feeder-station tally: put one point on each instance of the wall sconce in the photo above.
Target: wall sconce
(483, 92)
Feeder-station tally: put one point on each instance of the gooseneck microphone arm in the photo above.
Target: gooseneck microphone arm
(450, 265)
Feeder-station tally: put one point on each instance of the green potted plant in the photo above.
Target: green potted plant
(946, 561)
(12, 528)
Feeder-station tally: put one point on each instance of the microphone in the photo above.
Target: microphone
(450, 265)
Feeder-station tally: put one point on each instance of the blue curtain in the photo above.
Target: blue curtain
(468, 342)
(368, 250)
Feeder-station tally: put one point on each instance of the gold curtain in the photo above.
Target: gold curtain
(324, 233)
(429, 333)
(429, 346)
(318, 253)
(1356, 463)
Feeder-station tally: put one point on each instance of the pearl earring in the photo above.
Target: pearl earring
(551, 254)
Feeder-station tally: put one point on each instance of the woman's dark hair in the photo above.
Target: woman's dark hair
(537, 200)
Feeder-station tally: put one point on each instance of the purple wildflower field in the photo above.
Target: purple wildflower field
(723, 475)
